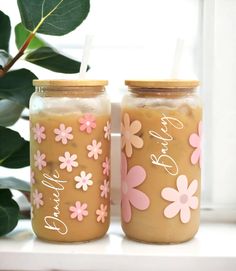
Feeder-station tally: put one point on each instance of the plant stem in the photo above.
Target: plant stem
(5, 69)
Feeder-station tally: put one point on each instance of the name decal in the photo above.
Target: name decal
(163, 137)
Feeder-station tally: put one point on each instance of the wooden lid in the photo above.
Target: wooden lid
(170, 83)
(69, 83)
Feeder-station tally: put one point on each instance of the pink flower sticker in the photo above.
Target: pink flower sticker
(128, 137)
(63, 133)
(105, 189)
(39, 133)
(182, 199)
(94, 149)
(32, 179)
(39, 160)
(83, 181)
(79, 210)
(195, 141)
(37, 198)
(106, 167)
(130, 195)
(87, 123)
(68, 161)
(107, 130)
(101, 213)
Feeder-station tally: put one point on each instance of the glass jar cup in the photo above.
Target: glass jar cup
(70, 160)
(161, 160)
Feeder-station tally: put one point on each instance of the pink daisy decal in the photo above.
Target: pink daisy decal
(105, 189)
(37, 198)
(128, 135)
(32, 179)
(130, 195)
(39, 160)
(106, 167)
(107, 130)
(101, 213)
(39, 134)
(83, 181)
(94, 149)
(182, 199)
(68, 161)
(79, 210)
(63, 133)
(87, 123)
(195, 141)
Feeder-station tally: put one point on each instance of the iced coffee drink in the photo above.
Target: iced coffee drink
(70, 160)
(161, 161)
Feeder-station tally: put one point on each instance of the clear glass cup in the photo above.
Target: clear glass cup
(161, 160)
(70, 160)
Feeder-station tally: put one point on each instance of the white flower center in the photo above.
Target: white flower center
(88, 123)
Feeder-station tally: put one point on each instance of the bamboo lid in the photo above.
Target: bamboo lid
(69, 83)
(162, 84)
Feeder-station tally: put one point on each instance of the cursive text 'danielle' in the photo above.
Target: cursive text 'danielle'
(53, 221)
(164, 137)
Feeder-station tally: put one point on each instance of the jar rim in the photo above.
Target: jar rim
(162, 84)
(69, 83)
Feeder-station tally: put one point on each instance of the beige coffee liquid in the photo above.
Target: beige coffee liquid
(55, 215)
(165, 156)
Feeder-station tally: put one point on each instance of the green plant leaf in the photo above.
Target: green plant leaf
(4, 57)
(21, 34)
(47, 58)
(10, 142)
(19, 158)
(5, 32)
(7, 193)
(57, 17)
(17, 86)
(9, 112)
(24, 117)
(9, 212)
(14, 183)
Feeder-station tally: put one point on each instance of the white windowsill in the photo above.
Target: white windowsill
(213, 248)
